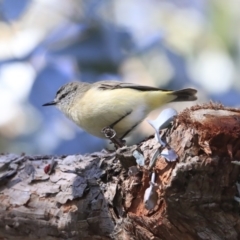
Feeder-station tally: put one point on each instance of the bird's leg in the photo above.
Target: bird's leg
(121, 118)
(110, 133)
(128, 131)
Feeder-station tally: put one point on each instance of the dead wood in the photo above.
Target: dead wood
(94, 197)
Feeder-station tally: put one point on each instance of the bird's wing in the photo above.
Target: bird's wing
(111, 85)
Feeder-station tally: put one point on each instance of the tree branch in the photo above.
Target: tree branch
(94, 197)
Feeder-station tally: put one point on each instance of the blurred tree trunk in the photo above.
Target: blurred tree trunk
(94, 197)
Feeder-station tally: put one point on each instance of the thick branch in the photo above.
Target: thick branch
(94, 197)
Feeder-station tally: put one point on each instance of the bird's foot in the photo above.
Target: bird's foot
(110, 133)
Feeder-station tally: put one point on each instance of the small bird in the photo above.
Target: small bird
(118, 105)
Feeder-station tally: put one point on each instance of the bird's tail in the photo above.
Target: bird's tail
(157, 99)
(187, 94)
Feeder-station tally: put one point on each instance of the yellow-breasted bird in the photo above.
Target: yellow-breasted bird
(121, 106)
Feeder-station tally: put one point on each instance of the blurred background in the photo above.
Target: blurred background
(165, 43)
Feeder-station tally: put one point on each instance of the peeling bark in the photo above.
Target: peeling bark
(94, 197)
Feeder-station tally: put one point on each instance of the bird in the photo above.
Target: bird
(119, 105)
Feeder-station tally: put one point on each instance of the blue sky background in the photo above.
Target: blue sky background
(165, 43)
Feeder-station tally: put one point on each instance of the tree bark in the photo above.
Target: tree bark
(95, 197)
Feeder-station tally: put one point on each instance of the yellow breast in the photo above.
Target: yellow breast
(100, 108)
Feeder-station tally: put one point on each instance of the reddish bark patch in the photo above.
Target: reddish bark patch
(199, 186)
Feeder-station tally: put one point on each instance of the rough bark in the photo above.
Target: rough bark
(94, 197)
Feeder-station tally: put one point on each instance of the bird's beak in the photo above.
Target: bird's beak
(50, 103)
